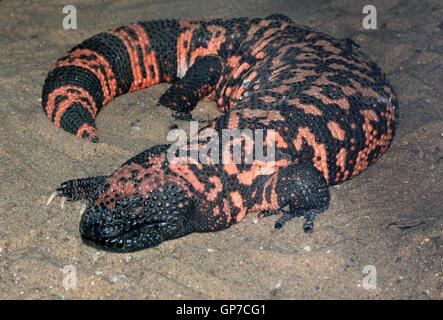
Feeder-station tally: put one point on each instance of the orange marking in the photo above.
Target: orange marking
(366, 91)
(262, 116)
(278, 139)
(239, 92)
(336, 131)
(261, 45)
(260, 168)
(183, 170)
(251, 76)
(269, 32)
(302, 45)
(255, 28)
(337, 66)
(328, 46)
(349, 91)
(238, 71)
(300, 75)
(185, 37)
(51, 99)
(278, 71)
(362, 75)
(282, 89)
(234, 61)
(371, 142)
(227, 210)
(228, 163)
(276, 62)
(268, 99)
(320, 159)
(306, 55)
(341, 159)
(340, 57)
(237, 201)
(227, 155)
(148, 59)
(260, 55)
(86, 128)
(369, 114)
(64, 91)
(308, 108)
(273, 203)
(316, 92)
(212, 194)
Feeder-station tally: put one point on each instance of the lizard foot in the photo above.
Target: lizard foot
(77, 189)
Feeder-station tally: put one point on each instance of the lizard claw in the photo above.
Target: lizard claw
(268, 213)
(51, 197)
(83, 208)
(62, 202)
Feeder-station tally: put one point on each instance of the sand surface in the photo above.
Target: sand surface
(390, 217)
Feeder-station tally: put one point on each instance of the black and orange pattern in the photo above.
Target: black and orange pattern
(332, 111)
(107, 65)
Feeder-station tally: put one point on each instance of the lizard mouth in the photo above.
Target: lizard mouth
(146, 236)
(125, 234)
(121, 231)
(137, 222)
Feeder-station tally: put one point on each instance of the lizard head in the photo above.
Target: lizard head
(135, 221)
(138, 206)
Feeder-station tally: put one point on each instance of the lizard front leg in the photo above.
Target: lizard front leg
(302, 188)
(79, 189)
(199, 81)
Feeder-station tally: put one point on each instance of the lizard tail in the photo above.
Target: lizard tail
(104, 66)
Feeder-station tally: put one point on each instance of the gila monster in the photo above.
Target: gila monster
(331, 110)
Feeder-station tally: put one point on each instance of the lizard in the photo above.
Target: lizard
(326, 108)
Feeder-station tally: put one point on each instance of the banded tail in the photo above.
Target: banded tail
(104, 66)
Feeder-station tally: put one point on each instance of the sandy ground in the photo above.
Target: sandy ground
(390, 217)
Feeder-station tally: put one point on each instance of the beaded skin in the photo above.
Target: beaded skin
(331, 110)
